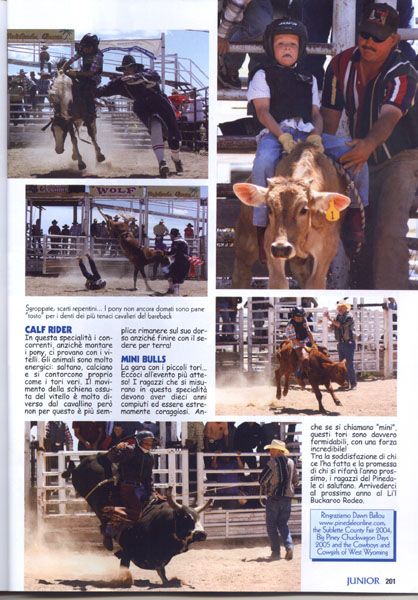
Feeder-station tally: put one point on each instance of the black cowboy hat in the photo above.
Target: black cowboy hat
(129, 61)
(174, 232)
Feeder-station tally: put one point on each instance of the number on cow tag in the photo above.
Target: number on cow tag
(332, 214)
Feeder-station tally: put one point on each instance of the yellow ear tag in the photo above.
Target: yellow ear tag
(332, 214)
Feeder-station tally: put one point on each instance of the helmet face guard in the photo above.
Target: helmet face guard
(297, 312)
(282, 27)
(140, 436)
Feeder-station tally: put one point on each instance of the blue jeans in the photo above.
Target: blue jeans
(269, 152)
(346, 350)
(257, 15)
(277, 516)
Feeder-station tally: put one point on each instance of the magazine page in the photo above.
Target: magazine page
(211, 213)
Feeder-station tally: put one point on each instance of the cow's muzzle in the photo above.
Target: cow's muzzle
(282, 250)
(199, 536)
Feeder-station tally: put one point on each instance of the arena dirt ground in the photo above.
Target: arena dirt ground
(371, 398)
(40, 160)
(213, 566)
(72, 285)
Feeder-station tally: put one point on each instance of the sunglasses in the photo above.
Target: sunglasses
(366, 36)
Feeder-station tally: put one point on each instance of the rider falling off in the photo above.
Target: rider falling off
(299, 334)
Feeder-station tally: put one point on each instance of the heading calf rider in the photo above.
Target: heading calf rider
(299, 334)
(151, 106)
(89, 76)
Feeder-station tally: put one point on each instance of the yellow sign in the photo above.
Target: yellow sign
(173, 192)
(115, 191)
(40, 35)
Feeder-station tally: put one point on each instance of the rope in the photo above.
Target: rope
(351, 189)
(113, 480)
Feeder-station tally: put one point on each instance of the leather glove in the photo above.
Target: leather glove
(316, 140)
(287, 142)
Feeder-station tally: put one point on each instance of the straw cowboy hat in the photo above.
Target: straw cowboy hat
(345, 304)
(277, 445)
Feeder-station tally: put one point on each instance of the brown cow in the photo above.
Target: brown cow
(318, 369)
(298, 230)
(138, 255)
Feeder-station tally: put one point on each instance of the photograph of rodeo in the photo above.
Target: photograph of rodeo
(205, 489)
(317, 145)
(282, 356)
(130, 106)
(89, 240)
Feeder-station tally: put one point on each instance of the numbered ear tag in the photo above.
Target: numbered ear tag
(332, 214)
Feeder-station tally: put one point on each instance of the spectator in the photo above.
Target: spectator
(317, 16)
(90, 434)
(278, 481)
(57, 437)
(379, 92)
(244, 22)
(54, 230)
(179, 262)
(115, 437)
(44, 58)
(343, 326)
(158, 245)
(220, 463)
(194, 443)
(248, 437)
(43, 84)
(189, 232)
(160, 229)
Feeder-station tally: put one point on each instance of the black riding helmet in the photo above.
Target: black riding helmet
(140, 436)
(297, 312)
(283, 26)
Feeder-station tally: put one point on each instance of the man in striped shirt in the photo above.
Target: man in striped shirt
(378, 91)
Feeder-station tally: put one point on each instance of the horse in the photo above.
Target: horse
(70, 112)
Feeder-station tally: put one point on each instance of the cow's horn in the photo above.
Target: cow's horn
(200, 509)
(171, 502)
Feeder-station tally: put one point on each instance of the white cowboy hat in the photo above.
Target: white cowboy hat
(277, 445)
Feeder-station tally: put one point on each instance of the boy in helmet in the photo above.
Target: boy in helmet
(286, 104)
(89, 76)
(298, 332)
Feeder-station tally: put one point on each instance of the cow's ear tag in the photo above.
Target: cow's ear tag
(332, 214)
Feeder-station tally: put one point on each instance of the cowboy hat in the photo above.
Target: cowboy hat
(345, 304)
(129, 61)
(277, 445)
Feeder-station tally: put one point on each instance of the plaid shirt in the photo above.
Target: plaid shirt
(58, 433)
(396, 85)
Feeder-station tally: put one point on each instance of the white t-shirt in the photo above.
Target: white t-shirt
(259, 88)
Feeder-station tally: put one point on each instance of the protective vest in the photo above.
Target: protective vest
(290, 93)
(300, 330)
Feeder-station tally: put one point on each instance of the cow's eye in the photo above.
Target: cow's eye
(304, 210)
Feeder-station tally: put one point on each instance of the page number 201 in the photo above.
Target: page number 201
(390, 580)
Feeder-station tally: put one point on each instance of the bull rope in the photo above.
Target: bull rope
(113, 480)
(351, 188)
